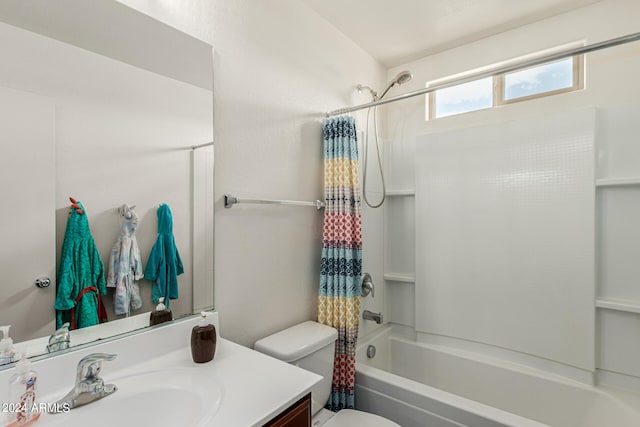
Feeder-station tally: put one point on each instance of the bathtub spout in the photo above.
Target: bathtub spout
(370, 315)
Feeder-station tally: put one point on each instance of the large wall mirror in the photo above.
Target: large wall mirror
(106, 105)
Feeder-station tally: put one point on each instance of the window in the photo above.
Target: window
(475, 95)
(547, 79)
(541, 80)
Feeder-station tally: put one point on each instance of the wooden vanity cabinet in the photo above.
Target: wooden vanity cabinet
(297, 415)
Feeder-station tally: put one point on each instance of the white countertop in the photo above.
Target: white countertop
(255, 387)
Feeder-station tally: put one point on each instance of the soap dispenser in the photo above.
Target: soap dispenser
(203, 340)
(161, 314)
(22, 395)
(7, 352)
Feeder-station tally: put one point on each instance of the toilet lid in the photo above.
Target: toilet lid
(351, 418)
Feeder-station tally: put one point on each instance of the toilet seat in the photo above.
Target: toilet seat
(352, 418)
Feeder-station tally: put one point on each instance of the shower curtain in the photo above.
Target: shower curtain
(341, 266)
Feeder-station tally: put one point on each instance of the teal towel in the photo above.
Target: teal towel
(164, 264)
(80, 268)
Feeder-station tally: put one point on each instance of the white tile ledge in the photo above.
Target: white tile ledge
(400, 277)
(629, 306)
(401, 193)
(617, 182)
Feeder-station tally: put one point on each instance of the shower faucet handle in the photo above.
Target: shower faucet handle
(368, 286)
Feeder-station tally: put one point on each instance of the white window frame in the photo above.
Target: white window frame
(498, 96)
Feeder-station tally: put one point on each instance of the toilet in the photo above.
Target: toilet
(311, 346)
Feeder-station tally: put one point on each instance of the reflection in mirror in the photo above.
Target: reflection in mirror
(101, 114)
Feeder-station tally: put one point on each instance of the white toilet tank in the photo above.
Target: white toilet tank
(310, 346)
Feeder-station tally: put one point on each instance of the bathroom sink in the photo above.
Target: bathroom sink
(178, 396)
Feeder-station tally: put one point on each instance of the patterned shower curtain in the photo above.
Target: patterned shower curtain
(341, 268)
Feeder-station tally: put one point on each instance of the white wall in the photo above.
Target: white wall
(278, 67)
(610, 81)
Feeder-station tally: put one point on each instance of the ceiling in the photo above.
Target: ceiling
(398, 31)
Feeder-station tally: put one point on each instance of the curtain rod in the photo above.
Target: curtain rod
(506, 69)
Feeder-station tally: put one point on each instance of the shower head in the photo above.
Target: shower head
(402, 77)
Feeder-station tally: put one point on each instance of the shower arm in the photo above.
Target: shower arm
(373, 93)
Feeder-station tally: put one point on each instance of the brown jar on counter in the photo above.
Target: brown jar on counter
(203, 341)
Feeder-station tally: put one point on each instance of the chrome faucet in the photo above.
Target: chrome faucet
(60, 340)
(89, 386)
(370, 315)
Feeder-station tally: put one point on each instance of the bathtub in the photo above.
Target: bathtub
(424, 385)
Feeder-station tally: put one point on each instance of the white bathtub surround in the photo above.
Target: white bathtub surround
(255, 387)
(451, 387)
(615, 300)
(610, 88)
(505, 240)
